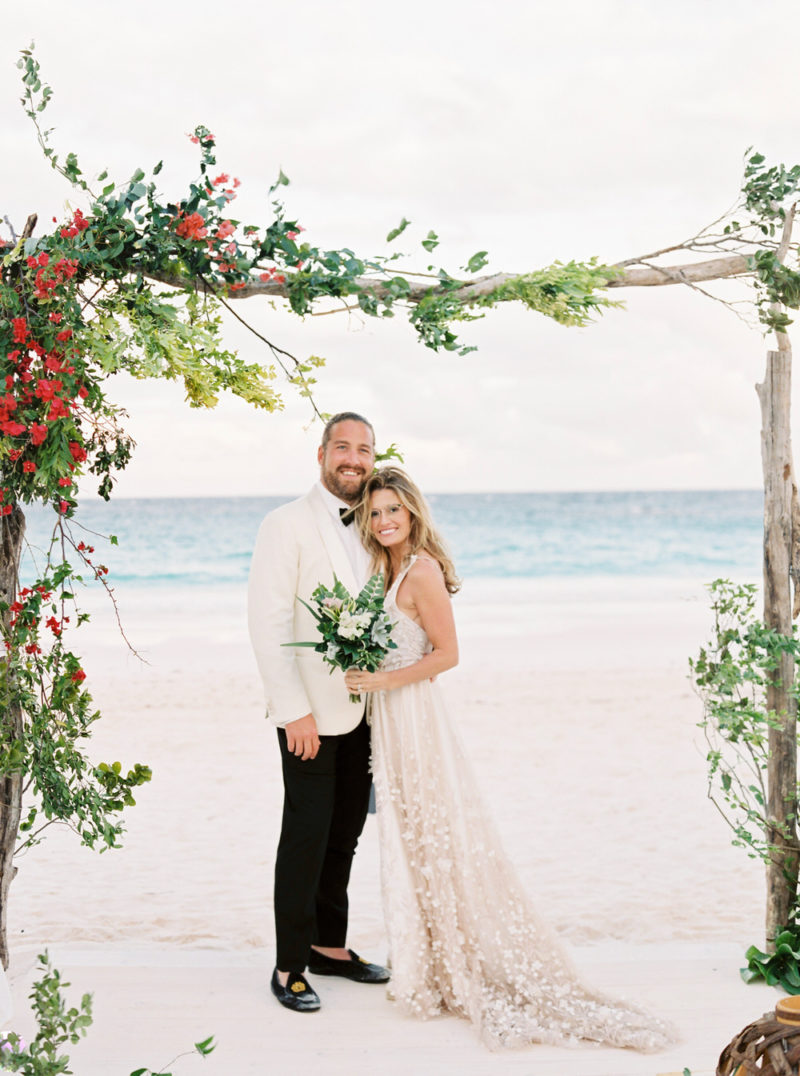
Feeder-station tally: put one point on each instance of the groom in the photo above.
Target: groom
(323, 737)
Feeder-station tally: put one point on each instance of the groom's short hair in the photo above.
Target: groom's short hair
(345, 416)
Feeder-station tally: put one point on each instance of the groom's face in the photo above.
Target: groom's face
(346, 461)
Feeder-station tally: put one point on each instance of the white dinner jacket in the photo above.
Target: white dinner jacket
(298, 548)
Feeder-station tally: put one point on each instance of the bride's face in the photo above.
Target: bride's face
(389, 520)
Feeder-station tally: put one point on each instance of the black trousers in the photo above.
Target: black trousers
(324, 808)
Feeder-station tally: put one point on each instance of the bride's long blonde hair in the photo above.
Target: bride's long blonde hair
(423, 537)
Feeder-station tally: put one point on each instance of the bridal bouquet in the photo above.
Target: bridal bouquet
(356, 632)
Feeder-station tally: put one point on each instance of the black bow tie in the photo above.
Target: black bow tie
(347, 515)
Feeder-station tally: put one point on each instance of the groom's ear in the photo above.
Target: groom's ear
(320, 454)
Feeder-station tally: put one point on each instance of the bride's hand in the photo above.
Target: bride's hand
(359, 681)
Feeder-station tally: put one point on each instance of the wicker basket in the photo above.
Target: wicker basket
(767, 1047)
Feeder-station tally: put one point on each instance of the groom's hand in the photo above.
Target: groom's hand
(302, 738)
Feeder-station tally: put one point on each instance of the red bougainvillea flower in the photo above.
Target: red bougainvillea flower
(46, 389)
(58, 409)
(38, 434)
(77, 452)
(29, 466)
(63, 507)
(79, 223)
(192, 227)
(78, 676)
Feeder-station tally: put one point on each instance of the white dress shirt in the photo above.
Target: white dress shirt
(356, 553)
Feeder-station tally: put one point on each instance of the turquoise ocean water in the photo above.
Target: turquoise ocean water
(198, 542)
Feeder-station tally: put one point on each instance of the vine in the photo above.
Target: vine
(731, 674)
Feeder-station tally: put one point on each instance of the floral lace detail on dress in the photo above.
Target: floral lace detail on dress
(464, 937)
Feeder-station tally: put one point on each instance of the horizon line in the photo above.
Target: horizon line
(434, 493)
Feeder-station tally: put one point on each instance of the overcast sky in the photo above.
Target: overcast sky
(534, 130)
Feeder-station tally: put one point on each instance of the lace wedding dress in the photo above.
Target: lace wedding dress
(464, 937)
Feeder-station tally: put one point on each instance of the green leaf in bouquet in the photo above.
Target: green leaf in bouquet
(340, 590)
(320, 593)
(371, 592)
(313, 612)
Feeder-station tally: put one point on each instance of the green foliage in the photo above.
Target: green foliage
(401, 227)
(780, 968)
(390, 453)
(776, 283)
(204, 1048)
(731, 674)
(476, 262)
(767, 193)
(430, 242)
(767, 189)
(433, 315)
(568, 293)
(44, 679)
(57, 1026)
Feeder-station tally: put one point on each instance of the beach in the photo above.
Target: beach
(573, 701)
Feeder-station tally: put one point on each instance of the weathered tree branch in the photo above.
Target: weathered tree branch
(629, 276)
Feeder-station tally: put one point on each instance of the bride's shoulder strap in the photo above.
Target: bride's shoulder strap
(426, 564)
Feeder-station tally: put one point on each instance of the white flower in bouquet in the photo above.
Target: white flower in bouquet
(381, 630)
(356, 632)
(352, 625)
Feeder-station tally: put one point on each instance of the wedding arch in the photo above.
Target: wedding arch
(134, 283)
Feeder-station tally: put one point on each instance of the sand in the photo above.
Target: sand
(574, 703)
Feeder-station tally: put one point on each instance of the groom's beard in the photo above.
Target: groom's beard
(346, 488)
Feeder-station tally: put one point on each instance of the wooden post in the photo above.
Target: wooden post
(12, 532)
(776, 454)
(780, 512)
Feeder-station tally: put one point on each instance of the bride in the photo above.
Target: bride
(464, 937)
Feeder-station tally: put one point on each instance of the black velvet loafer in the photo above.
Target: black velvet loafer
(356, 968)
(297, 995)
